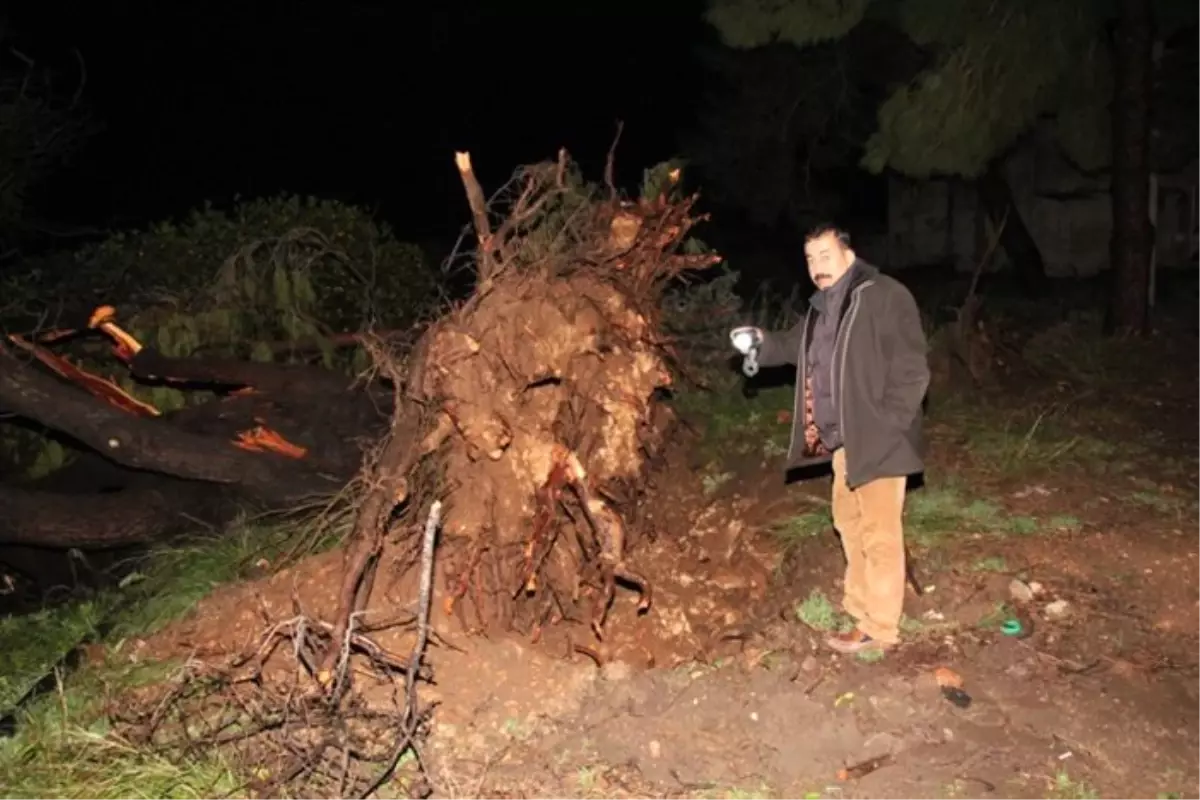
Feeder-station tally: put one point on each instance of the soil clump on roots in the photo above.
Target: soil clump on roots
(525, 425)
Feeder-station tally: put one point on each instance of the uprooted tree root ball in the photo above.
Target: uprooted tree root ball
(525, 422)
(537, 397)
(540, 394)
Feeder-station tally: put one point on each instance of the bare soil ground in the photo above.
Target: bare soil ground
(723, 688)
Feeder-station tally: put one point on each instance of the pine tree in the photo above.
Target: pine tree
(994, 69)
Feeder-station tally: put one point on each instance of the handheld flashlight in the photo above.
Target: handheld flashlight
(746, 340)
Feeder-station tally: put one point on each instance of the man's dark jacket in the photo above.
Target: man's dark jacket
(881, 371)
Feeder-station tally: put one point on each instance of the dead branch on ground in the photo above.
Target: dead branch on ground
(335, 742)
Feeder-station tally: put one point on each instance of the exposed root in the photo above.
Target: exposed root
(591, 653)
(294, 723)
(605, 559)
(544, 380)
(551, 365)
(609, 529)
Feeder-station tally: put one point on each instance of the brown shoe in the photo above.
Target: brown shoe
(854, 642)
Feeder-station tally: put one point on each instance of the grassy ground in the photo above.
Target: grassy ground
(62, 745)
(1008, 449)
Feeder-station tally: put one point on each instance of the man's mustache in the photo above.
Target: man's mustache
(822, 276)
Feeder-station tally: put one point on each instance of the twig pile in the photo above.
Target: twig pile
(326, 740)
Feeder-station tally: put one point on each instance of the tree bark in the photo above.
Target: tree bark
(101, 521)
(153, 445)
(1132, 240)
(1018, 243)
(144, 475)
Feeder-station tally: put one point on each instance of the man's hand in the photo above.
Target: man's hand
(746, 338)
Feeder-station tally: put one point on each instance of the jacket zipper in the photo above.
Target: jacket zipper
(839, 379)
(798, 397)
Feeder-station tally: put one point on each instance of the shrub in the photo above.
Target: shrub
(245, 282)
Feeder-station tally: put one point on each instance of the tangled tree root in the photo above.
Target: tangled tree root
(603, 521)
(301, 731)
(530, 412)
(544, 380)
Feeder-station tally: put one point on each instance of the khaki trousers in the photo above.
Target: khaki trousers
(869, 520)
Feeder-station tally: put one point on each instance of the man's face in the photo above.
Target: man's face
(828, 259)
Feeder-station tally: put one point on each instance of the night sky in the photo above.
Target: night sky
(360, 101)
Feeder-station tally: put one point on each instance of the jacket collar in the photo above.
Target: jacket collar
(859, 273)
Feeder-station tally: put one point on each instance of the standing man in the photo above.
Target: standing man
(862, 372)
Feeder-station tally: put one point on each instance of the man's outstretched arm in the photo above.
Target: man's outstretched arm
(781, 347)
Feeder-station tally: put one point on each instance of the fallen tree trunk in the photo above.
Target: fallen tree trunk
(539, 396)
(102, 520)
(148, 443)
(178, 465)
(294, 381)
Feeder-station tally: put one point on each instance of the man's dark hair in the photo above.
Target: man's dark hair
(819, 230)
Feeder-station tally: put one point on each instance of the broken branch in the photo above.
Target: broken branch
(151, 443)
(479, 214)
(609, 162)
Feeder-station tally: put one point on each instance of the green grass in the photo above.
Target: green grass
(933, 513)
(870, 656)
(1067, 788)
(792, 531)
(175, 578)
(1034, 440)
(168, 583)
(1181, 471)
(33, 644)
(996, 617)
(1075, 350)
(1163, 503)
(63, 746)
(712, 480)
(734, 424)
(1064, 523)
(931, 516)
(818, 613)
(990, 564)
